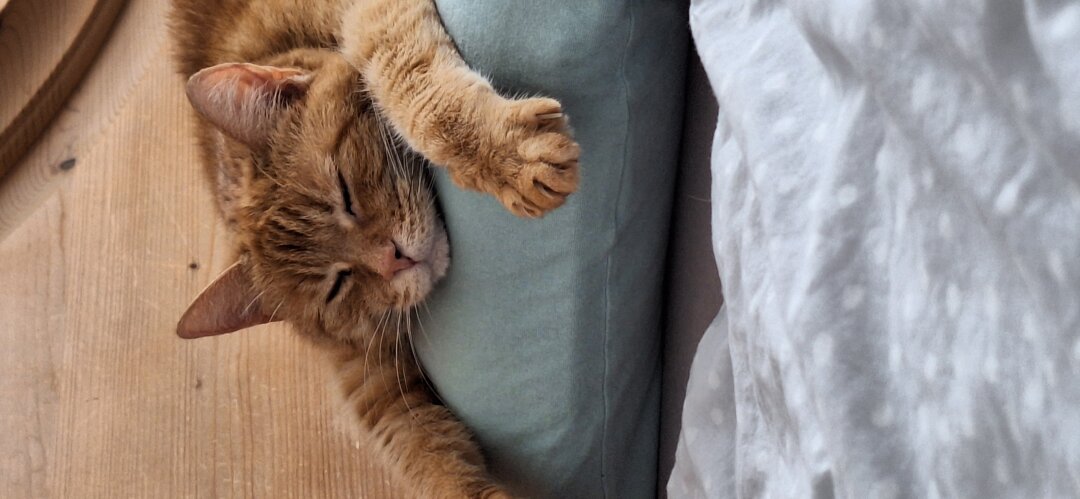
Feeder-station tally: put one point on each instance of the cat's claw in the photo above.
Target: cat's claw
(540, 111)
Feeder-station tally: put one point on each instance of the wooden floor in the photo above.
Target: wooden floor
(106, 233)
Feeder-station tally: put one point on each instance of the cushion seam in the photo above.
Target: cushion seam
(604, 477)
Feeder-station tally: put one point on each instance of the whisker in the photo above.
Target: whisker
(391, 151)
(420, 365)
(280, 303)
(267, 175)
(397, 355)
(385, 386)
(253, 300)
(422, 330)
(371, 341)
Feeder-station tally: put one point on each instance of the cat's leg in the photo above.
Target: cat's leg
(395, 413)
(518, 150)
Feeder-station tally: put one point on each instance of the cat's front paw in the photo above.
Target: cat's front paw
(535, 165)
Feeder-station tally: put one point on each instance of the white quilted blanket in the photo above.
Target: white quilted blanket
(896, 195)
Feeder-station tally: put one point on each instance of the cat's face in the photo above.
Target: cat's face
(336, 227)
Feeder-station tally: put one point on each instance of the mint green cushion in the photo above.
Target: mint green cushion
(545, 336)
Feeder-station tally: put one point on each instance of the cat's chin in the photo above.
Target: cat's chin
(413, 285)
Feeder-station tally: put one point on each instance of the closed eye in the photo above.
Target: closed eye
(338, 283)
(346, 196)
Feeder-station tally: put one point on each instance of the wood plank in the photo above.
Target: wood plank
(100, 225)
(45, 47)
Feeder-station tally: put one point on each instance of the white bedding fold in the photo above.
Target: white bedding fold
(896, 195)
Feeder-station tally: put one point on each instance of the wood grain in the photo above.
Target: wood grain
(45, 48)
(106, 232)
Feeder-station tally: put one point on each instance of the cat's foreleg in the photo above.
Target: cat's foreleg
(519, 150)
(395, 414)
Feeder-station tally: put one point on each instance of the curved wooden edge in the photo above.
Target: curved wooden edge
(33, 118)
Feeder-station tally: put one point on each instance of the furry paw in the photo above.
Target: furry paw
(547, 170)
(533, 161)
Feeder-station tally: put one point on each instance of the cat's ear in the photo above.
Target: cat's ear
(228, 304)
(245, 100)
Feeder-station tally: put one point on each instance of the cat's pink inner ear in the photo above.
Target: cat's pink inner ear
(243, 100)
(228, 304)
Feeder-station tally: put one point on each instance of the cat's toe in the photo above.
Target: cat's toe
(512, 199)
(551, 184)
(548, 175)
(539, 188)
(556, 149)
(540, 112)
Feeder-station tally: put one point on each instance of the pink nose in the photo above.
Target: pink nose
(393, 261)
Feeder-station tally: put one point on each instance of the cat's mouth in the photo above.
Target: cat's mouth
(430, 263)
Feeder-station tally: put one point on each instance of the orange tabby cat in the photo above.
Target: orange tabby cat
(301, 103)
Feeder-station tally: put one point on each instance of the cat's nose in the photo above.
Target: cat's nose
(394, 261)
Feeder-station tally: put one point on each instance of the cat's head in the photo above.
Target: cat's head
(336, 227)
